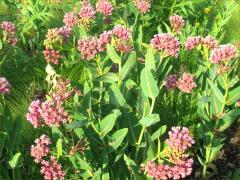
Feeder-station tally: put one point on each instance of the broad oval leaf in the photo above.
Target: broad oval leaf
(148, 84)
(149, 120)
(117, 139)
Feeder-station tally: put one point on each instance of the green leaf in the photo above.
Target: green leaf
(128, 65)
(149, 60)
(233, 96)
(108, 122)
(149, 120)
(159, 132)
(13, 163)
(148, 84)
(131, 164)
(59, 147)
(108, 78)
(216, 105)
(76, 124)
(229, 119)
(117, 139)
(83, 164)
(113, 54)
(116, 96)
(216, 91)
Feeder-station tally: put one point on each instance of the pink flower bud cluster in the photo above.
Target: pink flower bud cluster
(177, 23)
(5, 86)
(223, 53)
(180, 140)
(121, 32)
(209, 41)
(88, 47)
(9, 33)
(70, 19)
(143, 6)
(65, 32)
(104, 39)
(104, 7)
(52, 170)
(87, 11)
(171, 82)
(52, 56)
(41, 148)
(53, 113)
(166, 43)
(186, 83)
(47, 113)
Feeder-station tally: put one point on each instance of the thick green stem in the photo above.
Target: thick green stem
(143, 130)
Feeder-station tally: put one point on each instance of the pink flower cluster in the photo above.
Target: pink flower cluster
(5, 86)
(121, 32)
(186, 83)
(9, 33)
(104, 39)
(104, 7)
(52, 170)
(41, 148)
(166, 43)
(171, 81)
(88, 47)
(48, 112)
(209, 41)
(65, 32)
(223, 53)
(179, 140)
(52, 56)
(164, 172)
(143, 6)
(87, 11)
(70, 19)
(177, 23)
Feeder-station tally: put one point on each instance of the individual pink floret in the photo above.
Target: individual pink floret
(41, 148)
(167, 43)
